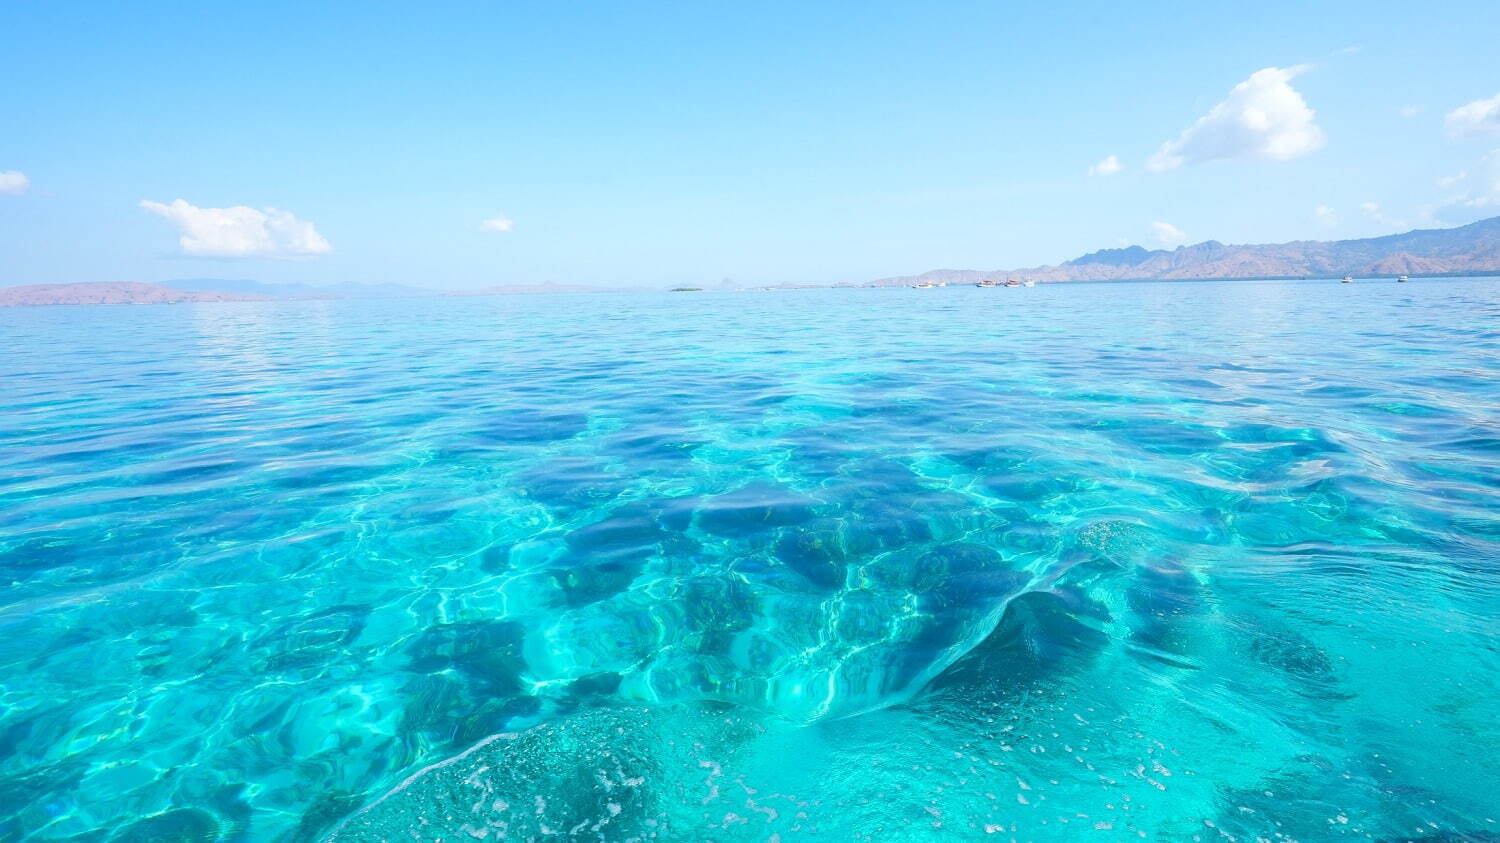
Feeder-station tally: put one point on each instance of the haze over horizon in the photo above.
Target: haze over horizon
(466, 147)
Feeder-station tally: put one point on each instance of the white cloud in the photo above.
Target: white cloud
(1263, 117)
(240, 231)
(1488, 181)
(1108, 167)
(1326, 215)
(13, 181)
(1373, 211)
(1480, 186)
(1480, 117)
(500, 225)
(1167, 234)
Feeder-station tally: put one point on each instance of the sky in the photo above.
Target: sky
(453, 145)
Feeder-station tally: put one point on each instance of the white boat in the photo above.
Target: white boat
(924, 286)
(1012, 283)
(1028, 283)
(1401, 280)
(1348, 279)
(985, 283)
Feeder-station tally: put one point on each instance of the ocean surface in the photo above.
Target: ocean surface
(1173, 561)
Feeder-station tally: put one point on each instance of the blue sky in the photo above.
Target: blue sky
(680, 143)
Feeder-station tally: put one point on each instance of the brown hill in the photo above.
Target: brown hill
(1447, 251)
(128, 292)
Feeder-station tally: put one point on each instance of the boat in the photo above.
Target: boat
(985, 283)
(1348, 279)
(925, 285)
(1028, 283)
(1011, 282)
(1401, 280)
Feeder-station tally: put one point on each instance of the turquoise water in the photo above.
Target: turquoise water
(1193, 561)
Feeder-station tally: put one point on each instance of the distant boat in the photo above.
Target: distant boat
(1348, 279)
(924, 285)
(985, 283)
(1011, 282)
(1029, 283)
(1401, 280)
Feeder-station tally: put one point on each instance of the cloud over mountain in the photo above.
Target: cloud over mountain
(1167, 234)
(1263, 117)
(1477, 190)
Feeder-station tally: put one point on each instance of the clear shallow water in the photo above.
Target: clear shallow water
(1182, 561)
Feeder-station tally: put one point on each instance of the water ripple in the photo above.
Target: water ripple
(1161, 560)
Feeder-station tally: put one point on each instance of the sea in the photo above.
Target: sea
(1167, 561)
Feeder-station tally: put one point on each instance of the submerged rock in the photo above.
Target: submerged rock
(1307, 665)
(587, 579)
(966, 575)
(754, 509)
(182, 825)
(488, 652)
(1163, 598)
(568, 484)
(628, 529)
(817, 555)
(1041, 632)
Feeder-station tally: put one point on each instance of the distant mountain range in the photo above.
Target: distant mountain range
(532, 289)
(220, 289)
(294, 290)
(1473, 248)
(127, 292)
(1447, 251)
